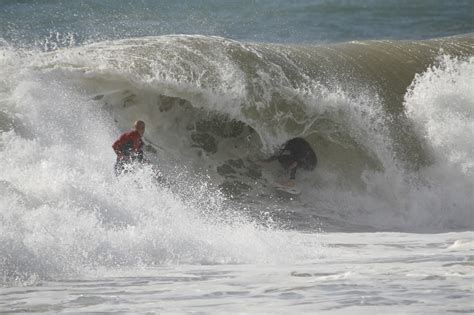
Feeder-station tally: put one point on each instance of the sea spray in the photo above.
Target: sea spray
(64, 211)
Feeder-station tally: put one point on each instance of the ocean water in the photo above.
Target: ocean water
(381, 89)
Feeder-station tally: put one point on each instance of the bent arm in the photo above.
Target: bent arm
(117, 145)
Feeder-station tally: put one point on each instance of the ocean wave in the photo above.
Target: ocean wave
(386, 118)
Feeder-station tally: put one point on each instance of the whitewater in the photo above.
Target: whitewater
(383, 225)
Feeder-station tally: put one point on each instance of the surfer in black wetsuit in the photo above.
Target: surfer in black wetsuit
(295, 154)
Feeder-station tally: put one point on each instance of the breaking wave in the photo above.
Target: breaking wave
(391, 122)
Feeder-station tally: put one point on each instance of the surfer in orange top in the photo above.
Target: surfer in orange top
(129, 147)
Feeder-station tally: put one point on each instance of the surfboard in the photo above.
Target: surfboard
(295, 191)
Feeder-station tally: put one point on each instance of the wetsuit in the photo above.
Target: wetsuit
(297, 150)
(129, 149)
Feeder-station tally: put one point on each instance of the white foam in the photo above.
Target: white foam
(441, 104)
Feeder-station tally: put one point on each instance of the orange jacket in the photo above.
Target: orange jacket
(129, 145)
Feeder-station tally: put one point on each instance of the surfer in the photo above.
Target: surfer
(295, 154)
(129, 147)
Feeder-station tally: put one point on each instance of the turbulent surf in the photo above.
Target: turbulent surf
(375, 112)
(381, 90)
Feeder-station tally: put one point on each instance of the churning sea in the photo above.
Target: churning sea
(382, 90)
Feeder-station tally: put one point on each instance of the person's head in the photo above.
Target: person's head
(140, 127)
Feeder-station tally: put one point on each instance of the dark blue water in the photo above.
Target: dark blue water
(63, 22)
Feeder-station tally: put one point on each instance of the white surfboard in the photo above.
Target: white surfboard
(287, 190)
